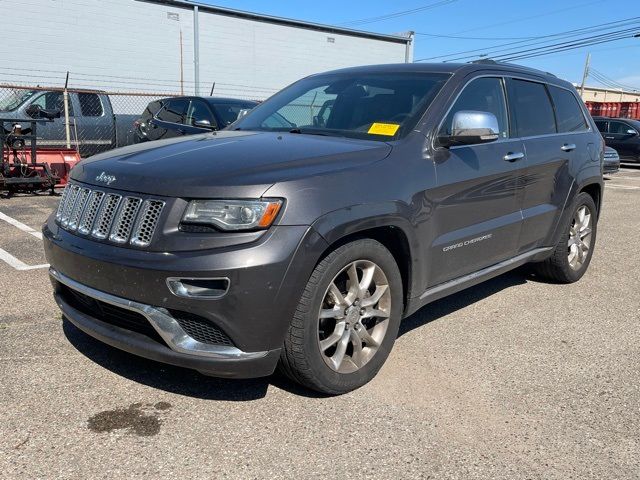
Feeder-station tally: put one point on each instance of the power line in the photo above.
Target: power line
(580, 43)
(538, 40)
(402, 13)
(435, 35)
(602, 78)
(529, 17)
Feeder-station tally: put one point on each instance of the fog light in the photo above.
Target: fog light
(202, 288)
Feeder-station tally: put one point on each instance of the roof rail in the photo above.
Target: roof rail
(488, 61)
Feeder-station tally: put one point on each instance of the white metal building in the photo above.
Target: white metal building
(168, 45)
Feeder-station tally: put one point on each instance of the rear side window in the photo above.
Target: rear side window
(151, 109)
(602, 126)
(174, 111)
(532, 109)
(482, 95)
(568, 112)
(90, 105)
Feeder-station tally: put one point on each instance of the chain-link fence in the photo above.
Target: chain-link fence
(90, 121)
(95, 114)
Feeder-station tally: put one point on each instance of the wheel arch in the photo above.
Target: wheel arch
(594, 189)
(390, 229)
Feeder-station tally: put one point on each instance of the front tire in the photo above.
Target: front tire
(347, 320)
(572, 255)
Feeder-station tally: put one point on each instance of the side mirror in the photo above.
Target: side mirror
(36, 111)
(33, 110)
(203, 123)
(470, 127)
(50, 114)
(632, 132)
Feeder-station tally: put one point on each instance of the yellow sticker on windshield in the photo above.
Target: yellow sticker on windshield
(388, 129)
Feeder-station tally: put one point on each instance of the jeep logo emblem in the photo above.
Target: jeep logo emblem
(104, 178)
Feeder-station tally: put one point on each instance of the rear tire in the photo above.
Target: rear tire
(572, 254)
(343, 331)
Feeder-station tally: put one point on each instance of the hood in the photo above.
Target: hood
(226, 163)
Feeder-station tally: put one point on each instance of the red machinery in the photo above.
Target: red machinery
(25, 168)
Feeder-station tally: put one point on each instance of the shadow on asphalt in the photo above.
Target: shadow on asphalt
(178, 380)
(455, 302)
(193, 384)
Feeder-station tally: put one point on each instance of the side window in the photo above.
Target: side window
(619, 127)
(482, 95)
(568, 112)
(532, 108)
(151, 110)
(198, 111)
(228, 112)
(52, 101)
(90, 105)
(602, 126)
(174, 111)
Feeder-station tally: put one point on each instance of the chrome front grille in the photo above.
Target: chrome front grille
(108, 216)
(105, 216)
(122, 226)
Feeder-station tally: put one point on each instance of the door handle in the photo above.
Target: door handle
(513, 156)
(610, 138)
(567, 147)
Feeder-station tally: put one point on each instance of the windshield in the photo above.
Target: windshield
(375, 106)
(14, 99)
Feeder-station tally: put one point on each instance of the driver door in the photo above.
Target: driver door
(477, 200)
(619, 138)
(51, 133)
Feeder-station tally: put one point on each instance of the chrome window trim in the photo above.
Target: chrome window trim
(504, 77)
(444, 117)
(160, 319)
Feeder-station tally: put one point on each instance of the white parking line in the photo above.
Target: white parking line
(622, 187)
(20, 225)
(616, 177)
(18, 264)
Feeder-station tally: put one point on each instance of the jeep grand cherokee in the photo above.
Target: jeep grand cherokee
(302, 235)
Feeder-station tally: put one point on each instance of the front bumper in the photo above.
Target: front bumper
(180, 349)
(266, 281)
(611, 166)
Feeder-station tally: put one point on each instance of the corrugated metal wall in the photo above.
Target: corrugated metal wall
(135, 46)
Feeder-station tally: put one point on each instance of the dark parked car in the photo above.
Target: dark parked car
(611, 161)
(622, 134)
(306, 246)
(178, 116)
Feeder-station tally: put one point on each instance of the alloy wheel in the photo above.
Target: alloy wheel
(579, 241)
(354, 316)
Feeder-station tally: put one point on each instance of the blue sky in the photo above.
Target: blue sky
(481, 19)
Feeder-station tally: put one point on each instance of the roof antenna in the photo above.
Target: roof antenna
(212, 87)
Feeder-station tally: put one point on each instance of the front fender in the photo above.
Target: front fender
(349, 221)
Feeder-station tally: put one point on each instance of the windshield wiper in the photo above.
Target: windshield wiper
(307, 132)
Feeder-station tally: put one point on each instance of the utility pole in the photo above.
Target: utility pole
(65, 97)
(196, 51)
(585, 75)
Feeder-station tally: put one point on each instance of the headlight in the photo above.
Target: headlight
(233, 214)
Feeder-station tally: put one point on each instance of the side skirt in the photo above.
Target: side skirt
(452, 286)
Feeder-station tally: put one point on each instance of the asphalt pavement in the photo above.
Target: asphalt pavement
(515, 378)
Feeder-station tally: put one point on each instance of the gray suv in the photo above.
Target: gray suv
(305, 232)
